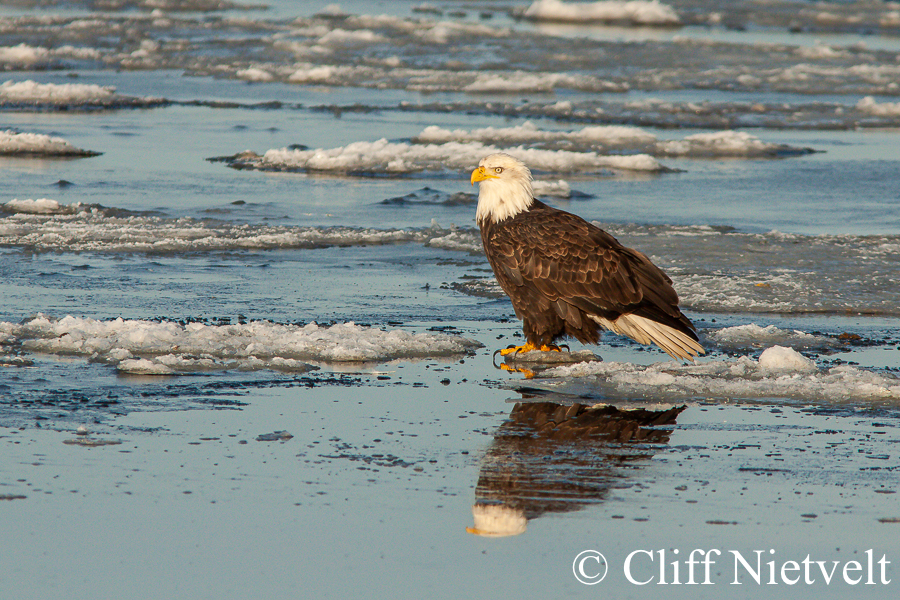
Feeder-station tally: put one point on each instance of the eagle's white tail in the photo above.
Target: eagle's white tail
(677, 344)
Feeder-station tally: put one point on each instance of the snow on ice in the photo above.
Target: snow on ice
(151, 347)
(38, 144)
(31, 94)
(779, 372)
(746, 337)
(650, 12)
(45, 224)
(401, 158)
(618, 139)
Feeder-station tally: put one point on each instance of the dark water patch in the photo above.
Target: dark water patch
(55, 404)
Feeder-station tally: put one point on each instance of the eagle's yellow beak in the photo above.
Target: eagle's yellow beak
(480, 174)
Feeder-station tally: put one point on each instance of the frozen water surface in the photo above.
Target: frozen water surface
(276, 379)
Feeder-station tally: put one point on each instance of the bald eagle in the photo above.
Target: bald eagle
(565, 276)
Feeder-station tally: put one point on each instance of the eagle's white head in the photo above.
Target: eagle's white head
(504, 187)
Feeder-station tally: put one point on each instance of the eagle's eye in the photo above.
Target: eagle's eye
(498, 170)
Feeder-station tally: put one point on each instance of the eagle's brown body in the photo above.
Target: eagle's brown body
(567, 277)
(577, 270)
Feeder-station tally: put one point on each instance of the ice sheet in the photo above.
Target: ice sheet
(45, 224)
(383, 157)
(32, 95)
(37, 144)
(779, 372)
(617, 139)
(636, 12)
(166, 347)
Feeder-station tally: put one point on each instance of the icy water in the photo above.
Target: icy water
(246, 326)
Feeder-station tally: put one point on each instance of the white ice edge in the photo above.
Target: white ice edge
(12, 142)
(778, 373)
(600, 137)
(400, 157)
(641, 12)
(593, 148)
(150, 347)
(32, 91)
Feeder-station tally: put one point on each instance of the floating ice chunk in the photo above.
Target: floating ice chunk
(385, 157)
(820, 50)
(523, 81)
(143, 366)
(45, 224)
(746, 337)
(781, 359)
(459, 240)
(31, 91)
(332, 10)
(673, 115)
(649, 12)
(724, 143)
(881, 109)
(313, 74)
(782, 374)
(557, 189)
(12, 143)
(51, 95)
(616, 138)
(254, 74)
(23, 54)
(527, 132)
(347, 38)
(41, 206)
(150, 347)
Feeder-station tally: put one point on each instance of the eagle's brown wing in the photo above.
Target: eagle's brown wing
(575, 265)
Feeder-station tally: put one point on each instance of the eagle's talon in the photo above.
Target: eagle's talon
(514, 350)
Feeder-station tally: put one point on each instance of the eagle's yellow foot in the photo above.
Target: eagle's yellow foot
(528, 347)
(514, 351)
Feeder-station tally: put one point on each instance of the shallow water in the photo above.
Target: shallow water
(331, 285)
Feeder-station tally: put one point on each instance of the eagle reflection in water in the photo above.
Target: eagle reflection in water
(551, 458)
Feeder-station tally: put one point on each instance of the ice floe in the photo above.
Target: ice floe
(745, 338)
(879, 109)
(383, 157)
(384, 51)
(778, 373)
(617, 139)
(152, 347)
(654, 112)
(41, 206)
(45, 225)
(22, 55)
(648, 12)
(38, 144)
(68, 96)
